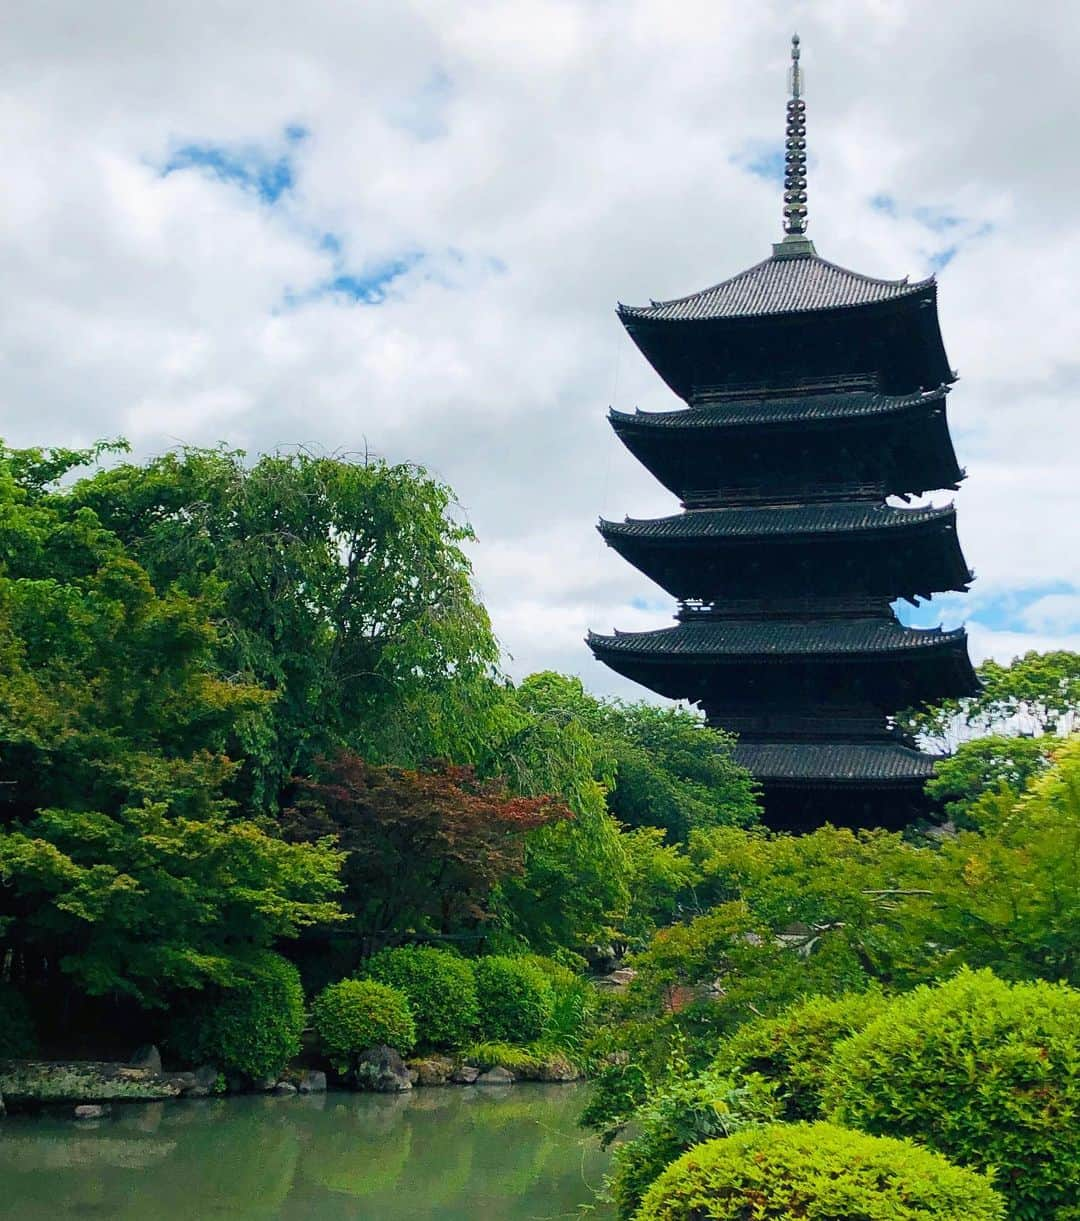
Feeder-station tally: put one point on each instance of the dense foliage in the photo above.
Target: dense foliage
(251, 709)
(440, 987)
(986, 1072)
(516, 998)
(252, 1028)
(339, 587)
(1036, 695)
(794, 1049)
(690, 1111)
(818, 1172)
(425, 848)
(356, 1014)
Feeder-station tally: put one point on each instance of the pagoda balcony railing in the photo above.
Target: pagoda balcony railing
(775, 389)
(852, 606)
(769, 494)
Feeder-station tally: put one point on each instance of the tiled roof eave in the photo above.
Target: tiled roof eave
(778, 289)
(706, 525)
(746, 413)
(656, 647)
(835, 763)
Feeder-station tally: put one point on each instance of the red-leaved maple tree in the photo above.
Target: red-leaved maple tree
(425, 848)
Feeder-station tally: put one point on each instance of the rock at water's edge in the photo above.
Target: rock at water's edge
(465, 1075)
(381, 1069)
(205, 1078)
(435, 1070)
(89, 1110)
(78, 1081)
(312, 1082)
(496, 1076)
(146, 1056)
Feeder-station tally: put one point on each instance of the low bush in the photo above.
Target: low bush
(986, 1072)
(252, 1028)
(819, 1172)
(794, 1048)
(516, 999)
(441, 989)
(687, 1113)
(574, 1008)
(522, 1061)
(355, 1014)
(18, 1038)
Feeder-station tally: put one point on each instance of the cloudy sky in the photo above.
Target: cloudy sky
(402, 227)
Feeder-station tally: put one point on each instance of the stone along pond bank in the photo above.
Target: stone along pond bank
(92, 1085)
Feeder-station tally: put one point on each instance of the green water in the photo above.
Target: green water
(454, 1154)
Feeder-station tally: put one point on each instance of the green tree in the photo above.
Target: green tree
(1008, 896)
(663, 766)
(1034, 695)
(997, 763)
(124, 867)
(339, 586)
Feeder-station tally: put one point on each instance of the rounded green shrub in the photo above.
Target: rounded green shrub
(355, 1014)
(687, 1113)
(516, 999)
(794, 1048)
(818, 1172)
(986, 1072)
(18, 1038)
(252, 1028)
(441, 989)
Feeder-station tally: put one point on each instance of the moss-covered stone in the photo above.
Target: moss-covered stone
(29, 1082)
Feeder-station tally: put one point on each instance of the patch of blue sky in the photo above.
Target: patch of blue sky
(884, 203)
(372, 284)
(1001, 612)
(763, 161)
(940, 259)
(251, 167)
(422, 113)
(937, 219)
(649, 604)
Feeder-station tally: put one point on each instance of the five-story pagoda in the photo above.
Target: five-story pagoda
(814, 396)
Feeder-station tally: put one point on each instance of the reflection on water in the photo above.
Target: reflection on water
(456, 1154)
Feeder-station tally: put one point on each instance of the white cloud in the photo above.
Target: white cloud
(549, 158)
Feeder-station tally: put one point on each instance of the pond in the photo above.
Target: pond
(456, 1154)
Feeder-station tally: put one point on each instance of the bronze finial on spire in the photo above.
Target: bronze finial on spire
(795, 149)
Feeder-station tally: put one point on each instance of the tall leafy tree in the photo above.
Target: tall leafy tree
(340, 587)
(124, 867)
(1035, 695)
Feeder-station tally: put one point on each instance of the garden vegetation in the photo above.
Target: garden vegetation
(262, 771)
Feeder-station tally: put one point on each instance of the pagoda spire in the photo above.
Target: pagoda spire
(795, 150)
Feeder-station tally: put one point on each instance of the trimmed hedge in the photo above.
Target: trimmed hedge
(820, 1173)
(441, 989)
(355, 1014)
(252, 1028)
(984, 1071)
(516, 999)
(794, 1048)
(687, 1113)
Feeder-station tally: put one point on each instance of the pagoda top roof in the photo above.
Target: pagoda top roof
(781, 284)
(780, 520)
(700, 639)
(840, 762)
(788, 408)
